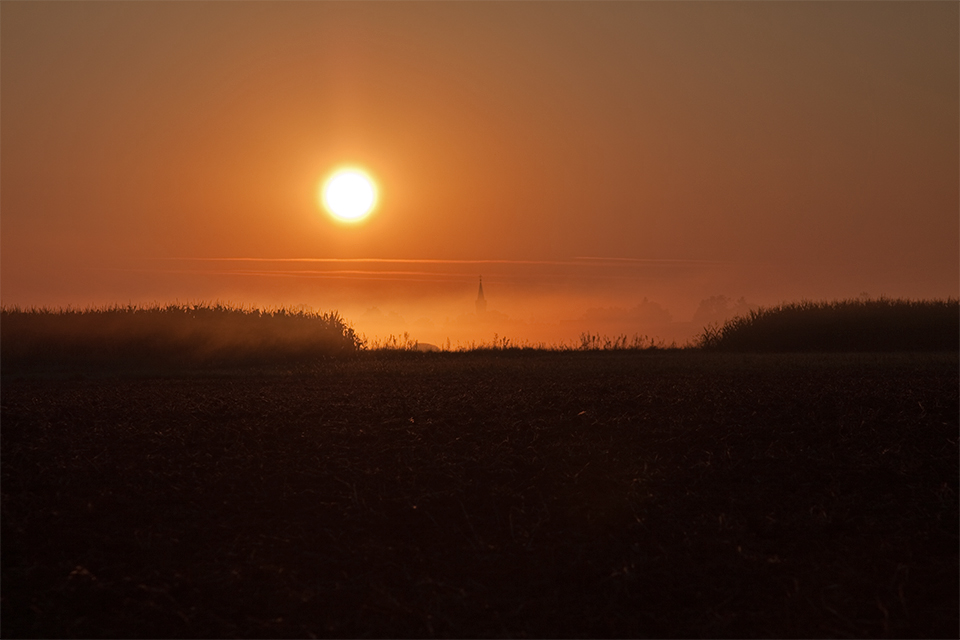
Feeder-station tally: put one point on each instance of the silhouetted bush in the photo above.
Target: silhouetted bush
(199, 334)
(847, 325)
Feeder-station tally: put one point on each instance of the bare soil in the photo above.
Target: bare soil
(487, 495)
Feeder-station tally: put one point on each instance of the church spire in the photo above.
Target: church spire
(481, 301)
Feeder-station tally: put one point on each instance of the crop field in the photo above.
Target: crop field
(577, 494)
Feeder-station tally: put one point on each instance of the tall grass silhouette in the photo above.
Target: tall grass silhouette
(170, 335)
(845, 325)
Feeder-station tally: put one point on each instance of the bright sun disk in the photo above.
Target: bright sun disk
(349, 195)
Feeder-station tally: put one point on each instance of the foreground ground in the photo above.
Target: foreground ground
(560, 495)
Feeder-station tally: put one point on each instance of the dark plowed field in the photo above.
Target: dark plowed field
(560, 495)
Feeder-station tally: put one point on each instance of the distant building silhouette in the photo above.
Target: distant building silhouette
(481, 301)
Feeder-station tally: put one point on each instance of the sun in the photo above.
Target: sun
(349, 195)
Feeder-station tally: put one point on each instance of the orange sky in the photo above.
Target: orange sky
(580, 156)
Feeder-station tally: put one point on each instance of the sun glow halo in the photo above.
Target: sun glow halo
(349, 195)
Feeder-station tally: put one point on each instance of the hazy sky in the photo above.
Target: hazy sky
(578, 155)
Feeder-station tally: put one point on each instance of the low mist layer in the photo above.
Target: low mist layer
(223, 335)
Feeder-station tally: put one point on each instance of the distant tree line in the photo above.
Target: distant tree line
(158, 336)
(848, 325)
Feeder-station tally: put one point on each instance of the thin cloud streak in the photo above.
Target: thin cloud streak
(390, 275)
(648, 261)
(406, 275)
(578, 261)
(374, 260)
(331, 275)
